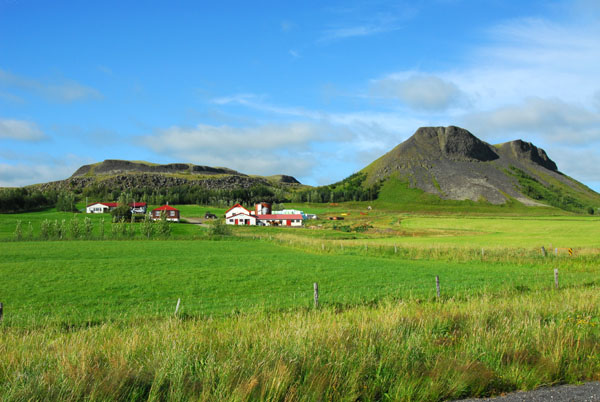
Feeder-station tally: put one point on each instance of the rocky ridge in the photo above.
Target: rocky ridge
(454, 164)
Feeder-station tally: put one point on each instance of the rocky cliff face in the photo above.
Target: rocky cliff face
(123, 175)
(454, 164)
(115, 166)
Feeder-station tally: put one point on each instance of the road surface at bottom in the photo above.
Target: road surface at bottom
(562, 393)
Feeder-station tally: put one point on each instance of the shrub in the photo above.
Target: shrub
(590, 210)
(75, 228)
(219, 228)
(88, 227)
(147, 226)
(18, 232)
(45, 230)
(164, 228)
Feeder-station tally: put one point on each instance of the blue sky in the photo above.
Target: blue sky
(311, 90)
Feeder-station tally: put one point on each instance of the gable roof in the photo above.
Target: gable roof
(165, 208)
(106, 204)
(137, 204)
(236, 206)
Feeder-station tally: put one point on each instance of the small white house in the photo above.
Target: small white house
(100, 207)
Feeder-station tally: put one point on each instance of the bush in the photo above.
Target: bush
(121, 212)
(18, 232)
(590, 210)
(219, 228)
(164, 227)
(147, 226)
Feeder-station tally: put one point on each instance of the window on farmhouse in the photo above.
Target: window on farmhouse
(172, 213)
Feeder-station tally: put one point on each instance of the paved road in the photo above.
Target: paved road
(567, 393)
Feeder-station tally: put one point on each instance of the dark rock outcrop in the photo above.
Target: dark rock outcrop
(116, 166)
(528, 152)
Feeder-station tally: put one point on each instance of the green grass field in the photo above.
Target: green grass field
(247, 328)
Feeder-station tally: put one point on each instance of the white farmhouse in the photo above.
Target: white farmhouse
(100, 207)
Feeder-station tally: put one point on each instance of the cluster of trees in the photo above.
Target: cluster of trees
(188, 194)
(25, 199)
(349, 189)
(76, 229)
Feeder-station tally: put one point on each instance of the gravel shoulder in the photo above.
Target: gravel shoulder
(586, 392)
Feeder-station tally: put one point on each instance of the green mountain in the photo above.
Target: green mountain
(453, 164)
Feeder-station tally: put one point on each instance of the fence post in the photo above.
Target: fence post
(316, 287)
(342, 246)
(322, 246)
(556, 278)
(556, 251)
(177, 307)
(395, 249)
(1, 311)
(482, 252)
(437, 285)
(543, 251)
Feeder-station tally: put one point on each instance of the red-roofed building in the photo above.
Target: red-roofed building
(172, 213)
(238, 215)
(280, 220)
(138, 207)
(100, 207)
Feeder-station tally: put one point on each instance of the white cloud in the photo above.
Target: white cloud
(267, 149)
(64, 91)
(551, 119)
(20, 130)
(420, 91)
(367, 20)
(38, 168)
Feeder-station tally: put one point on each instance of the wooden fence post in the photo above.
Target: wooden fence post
(556, 251)
(395, 249)
(437, 285)
(543, 251)
(177, 307)
(556, 278)
(1, 311)
(482, 252)
(316, 287)
(322, 246)
(342, 246)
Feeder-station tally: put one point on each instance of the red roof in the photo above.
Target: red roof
(165, 208)
(137, 204)
(280, 216)
(236, 205)
(108, 204)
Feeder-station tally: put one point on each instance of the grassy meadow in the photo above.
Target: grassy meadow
(94, 318)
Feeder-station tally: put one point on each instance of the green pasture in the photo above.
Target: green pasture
(89, 281)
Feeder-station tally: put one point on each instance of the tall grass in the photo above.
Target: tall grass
(397, 351)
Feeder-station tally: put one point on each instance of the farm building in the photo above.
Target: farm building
(138, 207)
(103, 207)
(172, 213)
(261, 216)
(100, 207)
